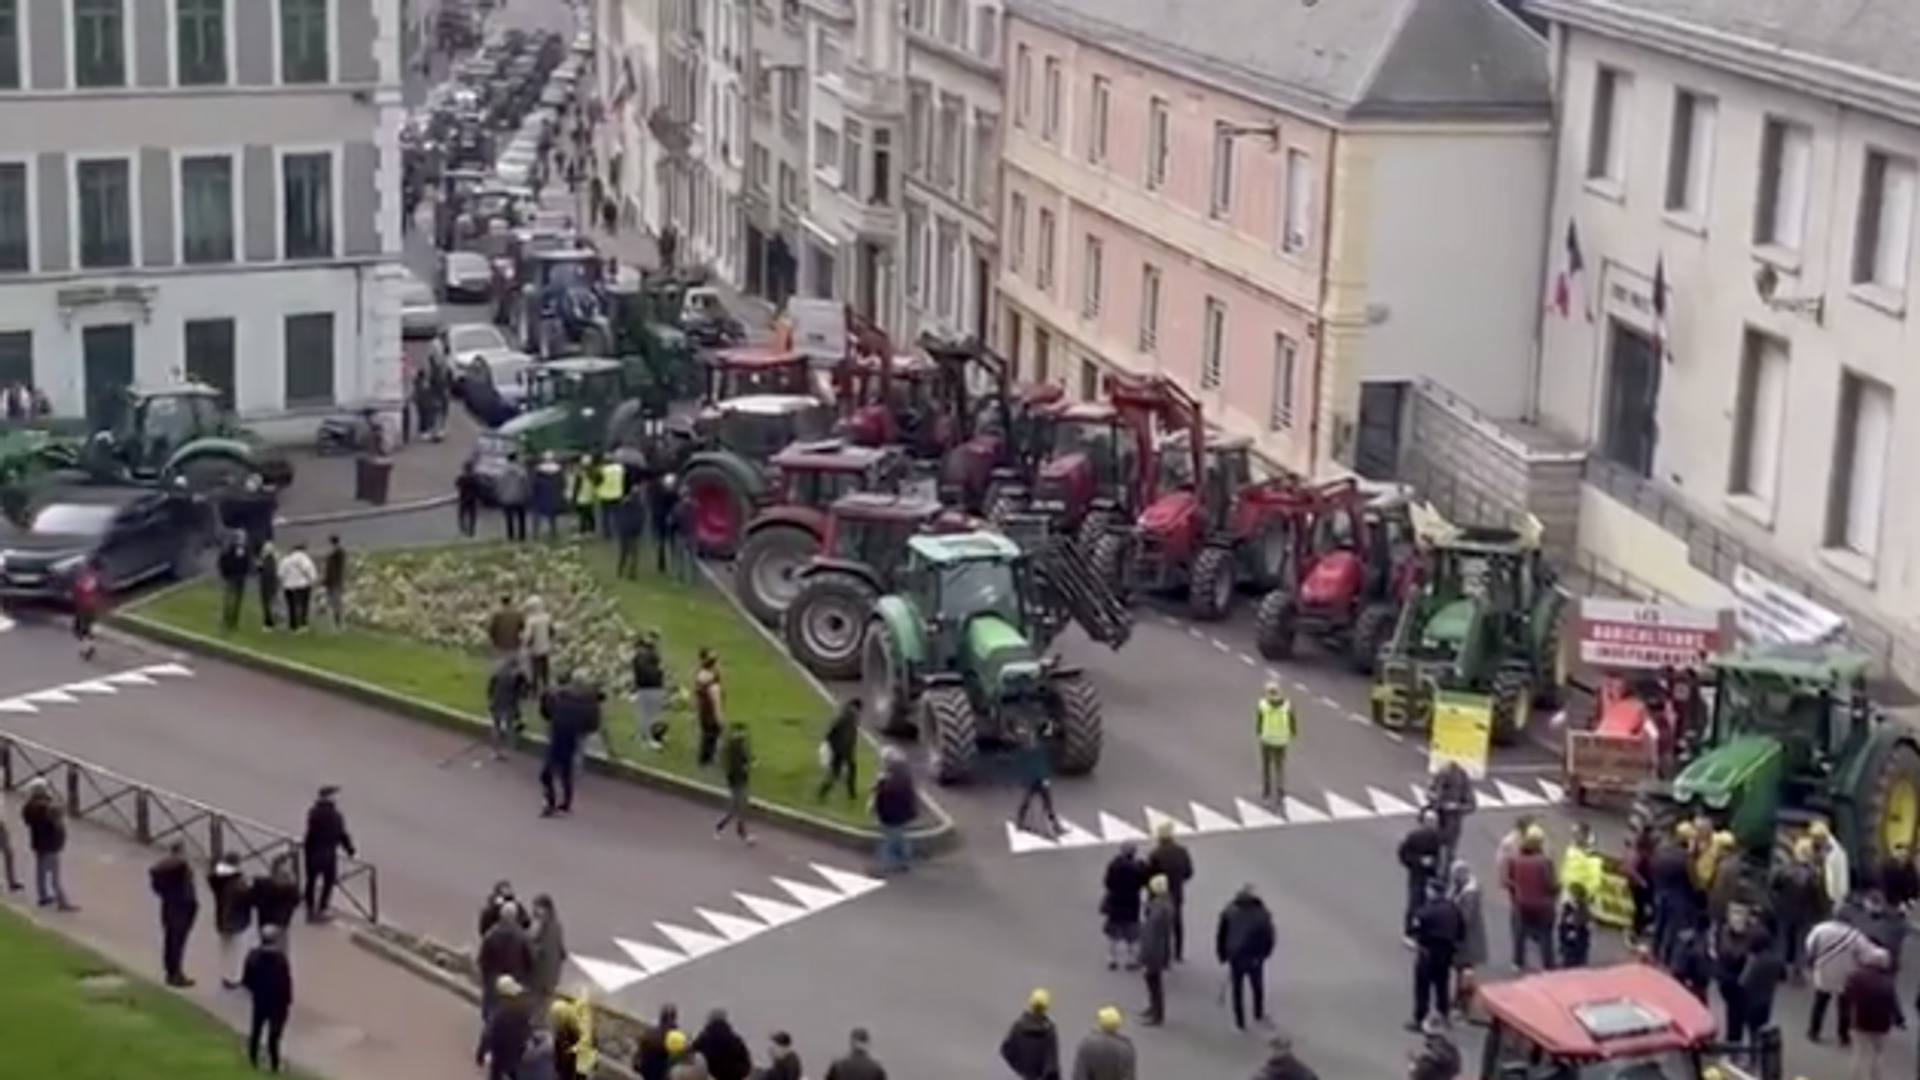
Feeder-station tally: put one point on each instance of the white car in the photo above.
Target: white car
(457, 345)
(466, 277)
(420, 315)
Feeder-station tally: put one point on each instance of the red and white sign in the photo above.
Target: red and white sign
(1627, 634)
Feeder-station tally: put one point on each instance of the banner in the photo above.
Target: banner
(1772, 614)
(1462, 732)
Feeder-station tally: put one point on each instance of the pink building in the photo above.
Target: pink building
(1275, 204)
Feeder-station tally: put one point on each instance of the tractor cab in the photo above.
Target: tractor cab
(153, 424)
(872, 529)
(748, 371)
(567, 268)
(584, 383)
(817, 474)
(184, 429)
(1629, 1022)
(758, 426)
(1086, 457)
(891, 399)
(959, 576)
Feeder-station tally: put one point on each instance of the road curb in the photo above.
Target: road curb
(616, 1034)
(941, 838)
(366, 513)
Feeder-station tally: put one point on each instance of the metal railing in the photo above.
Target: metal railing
(154, 817)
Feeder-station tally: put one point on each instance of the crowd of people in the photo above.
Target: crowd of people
(620, 497)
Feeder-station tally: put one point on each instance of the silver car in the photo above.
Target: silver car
(466, 277)
(420, 315)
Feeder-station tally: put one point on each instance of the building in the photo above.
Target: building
(1733, 234)
(628, 64)
(952, 169)
(204, 188)
(718, 235)
(1296, 210)
(776, 199)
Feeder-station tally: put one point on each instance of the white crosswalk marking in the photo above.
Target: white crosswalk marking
(73, 693)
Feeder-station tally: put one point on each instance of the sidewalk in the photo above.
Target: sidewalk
(355, 1017)
(635, 247)
(423, 474)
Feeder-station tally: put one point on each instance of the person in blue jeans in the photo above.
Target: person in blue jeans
(895, 805)
(46, 824)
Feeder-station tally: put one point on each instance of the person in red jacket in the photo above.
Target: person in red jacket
(88, 594)
(1533, 888)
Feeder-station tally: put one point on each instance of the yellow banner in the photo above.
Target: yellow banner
(1462, 732)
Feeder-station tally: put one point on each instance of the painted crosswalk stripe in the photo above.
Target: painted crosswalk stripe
(771, 912)
(1253, 817)
(1208, 820)
(105, 686)
(609, 977)
(1344, 809)
(1115, 831)
(1515, 796)
(1385, 805)
(732, 927)
(1156, 820)
(1300, 813)
(652, 960)
(692, 942)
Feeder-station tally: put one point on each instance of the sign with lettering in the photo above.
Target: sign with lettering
(1769, 613)
(1629, 634)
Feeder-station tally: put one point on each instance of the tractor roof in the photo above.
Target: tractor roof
(572, 254)
(577, 365)
(874, 504)
(1599, 1013)
(754, 357)
(769, 404)
(1086, 411)
(829, 455)
(1830, 664)
(180, 389)
(948, 548)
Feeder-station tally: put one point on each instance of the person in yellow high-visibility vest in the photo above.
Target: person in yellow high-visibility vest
(1581, 865)
(1273, 726)
(610, 486)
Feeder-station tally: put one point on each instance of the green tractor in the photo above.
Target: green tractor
(1793, 738)
(580, 405)
(1484, 620)
(646, 336)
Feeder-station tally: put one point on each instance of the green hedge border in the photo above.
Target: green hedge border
(938, 838)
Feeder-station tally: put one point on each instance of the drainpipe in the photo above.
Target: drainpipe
(1320, 320)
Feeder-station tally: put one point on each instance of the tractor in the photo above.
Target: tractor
(659, 358)
(580, 405)
(563, 307)
(985, 430)
(1352, 561)
(748, 370)
(786, 533)
(1482, 617)
(1793, 737)
(958, 654)
(723, 470)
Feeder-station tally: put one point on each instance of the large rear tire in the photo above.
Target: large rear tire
(1512, 694)
(825, 624)
(1889, 807)
(763, 573)
(1371, 629)
(952, 734)
(719, 510)
(1210, 584)
(1273, 625)
(1109, 561)
(1081, 727)
(885, 683)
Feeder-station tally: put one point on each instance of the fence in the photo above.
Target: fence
(154, 817)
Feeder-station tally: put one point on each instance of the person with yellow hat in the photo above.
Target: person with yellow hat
(1156, 949)
(1105, 1053)
(1273, 727)
(1797, 894)
(570, 1017)
(653, 1058)
(1169, 859)
(509, 1028)
(1032, 1045)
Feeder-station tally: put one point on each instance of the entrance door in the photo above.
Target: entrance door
(106, 370)
(1629, 418)
(1376, 444)
(982, 295)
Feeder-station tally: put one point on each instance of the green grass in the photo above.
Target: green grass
(72, 1015)
(416, 617)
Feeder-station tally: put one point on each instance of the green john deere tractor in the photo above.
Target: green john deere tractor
(958, 655)
(1484, 621)
(646, 336)
(1793, 738)
(579, 405)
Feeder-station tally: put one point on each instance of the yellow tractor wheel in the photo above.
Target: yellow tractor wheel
(1890, 802)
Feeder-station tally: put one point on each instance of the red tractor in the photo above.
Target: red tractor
(751, 371)
(786, 534)
(1353, 556)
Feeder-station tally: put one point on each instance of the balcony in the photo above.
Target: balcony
(869, 93)
(840, 11)
(673, 134)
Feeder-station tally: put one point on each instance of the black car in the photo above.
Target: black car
(136, 533)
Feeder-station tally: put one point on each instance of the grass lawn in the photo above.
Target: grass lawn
(71, 1015)
(416, 627)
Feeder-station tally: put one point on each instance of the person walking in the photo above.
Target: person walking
(572, 712)
(333, 581)
(1105, 1053)
(707, 707)
(858, 1063)
(1031, 1047)
(88, 594)
(837, 751)
(666, 516)
(266, 573)
(1156, 950)
(9, 865)
(235, 566)
(736, 767)
(466, 499)
(46, 824)
(506, 689)
(1835, 949)
(1463, 888)
(609, 490)
(326, 837)
(1273, 727)
(511, 490)
(649, 690)
(1169, 859)
(268, 979)
(536, 640)
(227, 886)
(171, 880)
(1033, 760)
(298, 576)
(1436, 931)
(895, 805)
(629, 519)
(1243, 942)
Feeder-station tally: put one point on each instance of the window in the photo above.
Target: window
(1043, 275)
(880, 188)
(200, 42)
(104, 208)
(16, 358)
(789, 186)
(1759, 418)
(12, 46)
(986, 159)
(1297, 203)
(1089, 380)
(986, 33)
(826, 153)
(306, 206)
(1092, 273)
(916, 229)
(788, 81)
(953, 23)
(919, 15)
(1149, 308)
(919, 127)
(1883, 229)
(1050, 102)
(207, 201)
(1098, 108)
(1159, 135)
(1220, 189)
(1606, 143)
(211, 352)
(946, 271)
(1863, 434)
(760, 165)
(1017, 231)
(99, 44)
(16, 219)
(1213, 342)
(827, 58)
(853, 147)
(1286, 358)
(306, 56)
(1022, 85)
(306, 357)
(1786, 165)
(1690, 153)
(947, 135)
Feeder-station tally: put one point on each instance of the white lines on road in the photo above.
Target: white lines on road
(678, 944)
(1370, 804)
(104, 686)
(1252, 661)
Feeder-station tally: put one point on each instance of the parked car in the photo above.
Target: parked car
(420, 314)
(136, 533)
(456, 345)
(466, 277)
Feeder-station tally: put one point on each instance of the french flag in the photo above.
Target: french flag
(1570, 283)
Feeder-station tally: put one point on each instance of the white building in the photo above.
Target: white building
(954, 110)
(718, 234)
(1763, 399)
(629, 69)
(777, 128)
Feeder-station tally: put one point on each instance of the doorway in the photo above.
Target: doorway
(1042, 356)
(982, 295)
(1376, 442)
(1629, 412)
(106, 367)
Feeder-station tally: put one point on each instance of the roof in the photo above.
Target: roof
(1341, 59)
(179, 389)
(754, 356)
(877, 504)
(575, 365)
(1561, 1010)
(1807, 663)
(768, 404)
(829, 455)
(1860, 52)
(963, 547)
(577, 254)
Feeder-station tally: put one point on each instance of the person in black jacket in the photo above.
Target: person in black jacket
(651, 1057)
(275, 898)
(572, 712)
(504, 1039)
(736, 768)
(268, 978)
(895, 804)
(506, 689)
(46, 824)
(722, 1048)
(649, 690)
(326, 837)
(501, 901)
(783, 1061)
(843, 736)
(1171, 860)
(1244, 942)
(235, 566)
(629, 517)
(266, 575)
(504, 957)
(1120, 889)
(1420, 858)
(1031, 1047)
(858, 1063)
(232, 916)
(333, 582)
(1437, 930)
(1282, 1063)
(171, 879)
(466, 499)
